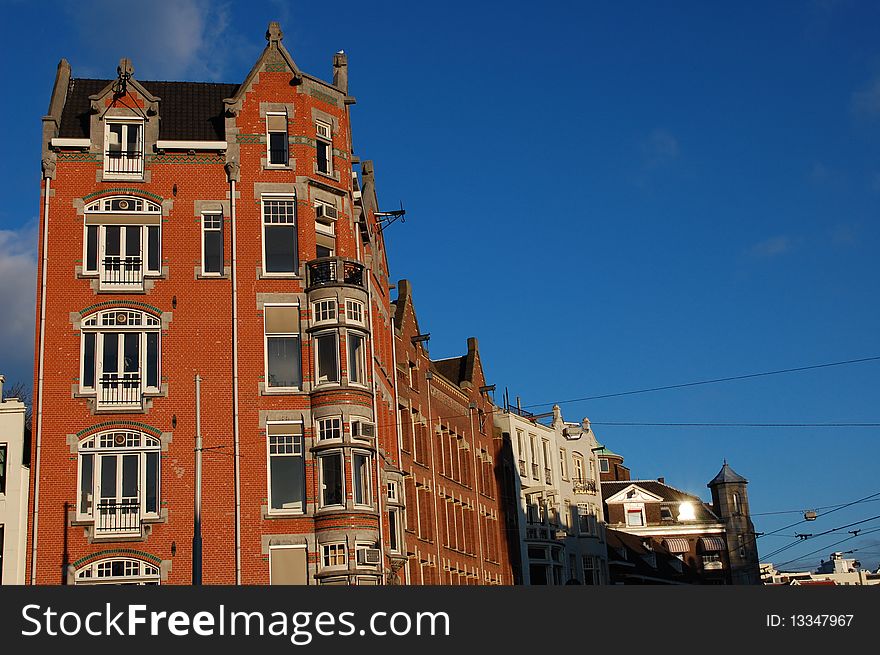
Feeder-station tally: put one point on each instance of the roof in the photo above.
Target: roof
(453, 369)
(604, 452)
(191, 111)
(636, 568)
(667, 493)
(725, 475)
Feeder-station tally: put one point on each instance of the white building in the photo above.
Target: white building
(13, 490)
(561, 532)
(838, 569)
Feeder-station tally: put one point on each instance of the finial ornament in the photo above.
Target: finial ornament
(274, 33)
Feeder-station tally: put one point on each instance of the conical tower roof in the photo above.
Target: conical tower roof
(725, 475)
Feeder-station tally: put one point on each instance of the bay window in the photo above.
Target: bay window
(326, 357)
(361, 478)
(357, 359)
(332, 479)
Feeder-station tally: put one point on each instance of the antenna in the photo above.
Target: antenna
(387, 218)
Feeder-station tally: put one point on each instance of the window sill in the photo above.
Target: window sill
(280, 391)
(263, 275)
(288, 514)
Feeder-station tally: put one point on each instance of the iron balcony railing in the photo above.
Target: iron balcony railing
(118, 517)
(120, 390)
(124, 162)
(127, 272)
(583, 486)
(335, 270)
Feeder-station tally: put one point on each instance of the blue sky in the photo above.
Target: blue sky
(610, 196)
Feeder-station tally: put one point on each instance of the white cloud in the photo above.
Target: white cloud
(18, 278)
(165, 39)
(772, 247)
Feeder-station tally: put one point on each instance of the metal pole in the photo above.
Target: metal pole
(197, 496)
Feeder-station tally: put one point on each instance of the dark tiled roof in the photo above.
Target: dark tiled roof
(190, 111)
(726, 474)
(452, 369)
(635, 566)
(667, 493)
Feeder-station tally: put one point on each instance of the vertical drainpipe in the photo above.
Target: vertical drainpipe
(428, 377)
(397, 421)
(233, 170)
(39, 435)
(379, 487)
(477, 494)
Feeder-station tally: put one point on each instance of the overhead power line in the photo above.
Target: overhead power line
(713, 381)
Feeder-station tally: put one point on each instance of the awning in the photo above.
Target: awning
(712, 543)
(677, 546)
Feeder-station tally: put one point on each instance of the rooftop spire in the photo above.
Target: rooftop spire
(274, 33)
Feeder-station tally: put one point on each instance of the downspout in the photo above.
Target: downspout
(39, 435)
(477, 494)
(233, 170)
(428, 377)
(397, 423)
(379, 486)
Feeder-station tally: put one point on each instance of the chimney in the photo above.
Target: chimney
(661, 480)
(340, 71)
(2, 380)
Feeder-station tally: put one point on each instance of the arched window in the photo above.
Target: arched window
(120, 357)
(118, 570)
(118, 481)
(122, 242)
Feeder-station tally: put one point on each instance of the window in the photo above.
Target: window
(286, 467)
(545, 451)
(324, 146)
(325, 228)
(334, 555)
(3, 452)
(393, 496)
(329, 428)
(603, 465)
(122, 242)
(666, 513)
(736, 510)
(563, 463)
(324, 311)
(212, 244)
(361, 478)
(521, 453)
(357, 359)
(288, 565)
(591, 570)
(586, 522)
(124, 149)
(533, 442)
(578, 462)
(279, 235)
(276, 132)
(118, 481)
(120, 357)
(635, 517)
(118, 571)
(326, 357)
(354, 312)
(394, 531)
(282, 346)
(332, 479)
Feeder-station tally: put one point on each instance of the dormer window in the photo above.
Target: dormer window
(276, 130)
(124, 149)
(324, 146)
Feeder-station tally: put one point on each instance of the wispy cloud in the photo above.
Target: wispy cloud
(165, 39)
(661, 147)
(772, 247)
(18, 275)
(866, 101)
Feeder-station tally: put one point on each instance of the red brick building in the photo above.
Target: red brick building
(452, 462)
(220, 231)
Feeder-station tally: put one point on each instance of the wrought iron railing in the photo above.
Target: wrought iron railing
(124, 162)
(335, 270)
(120, 390)
(118, 517)
(122, 272)
(583, 486)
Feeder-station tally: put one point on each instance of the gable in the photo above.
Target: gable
(633, 494)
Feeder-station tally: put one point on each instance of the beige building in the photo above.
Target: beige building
(561, 532)
(13, 490)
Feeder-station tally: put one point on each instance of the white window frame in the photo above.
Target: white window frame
(325, 310)
(354, 312)
(578, 461)
(212, 215)
(362, 359)
(604, 465)
(338, 454)
(367, 482)
(334, 550)
(324, 138)
(286, 335)
(126, 123)
(632, 510)
(115, 444)
(284, 197)
(328, 425)
(298, 443)
(315, 340)
(91, 574)
(393, 491)
(563, 464)
(269, 163)
(395, 516)
(97, 324)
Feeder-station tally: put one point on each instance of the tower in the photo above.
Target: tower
(731, 503)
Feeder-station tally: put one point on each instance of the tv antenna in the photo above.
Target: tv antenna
(387, 218)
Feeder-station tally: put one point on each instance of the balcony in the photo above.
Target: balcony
(122, 273)
(120, 391)
(535, 471)
(124, 163)
(522, 467)
(583, 486)
(118, 518)
(327, 271)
